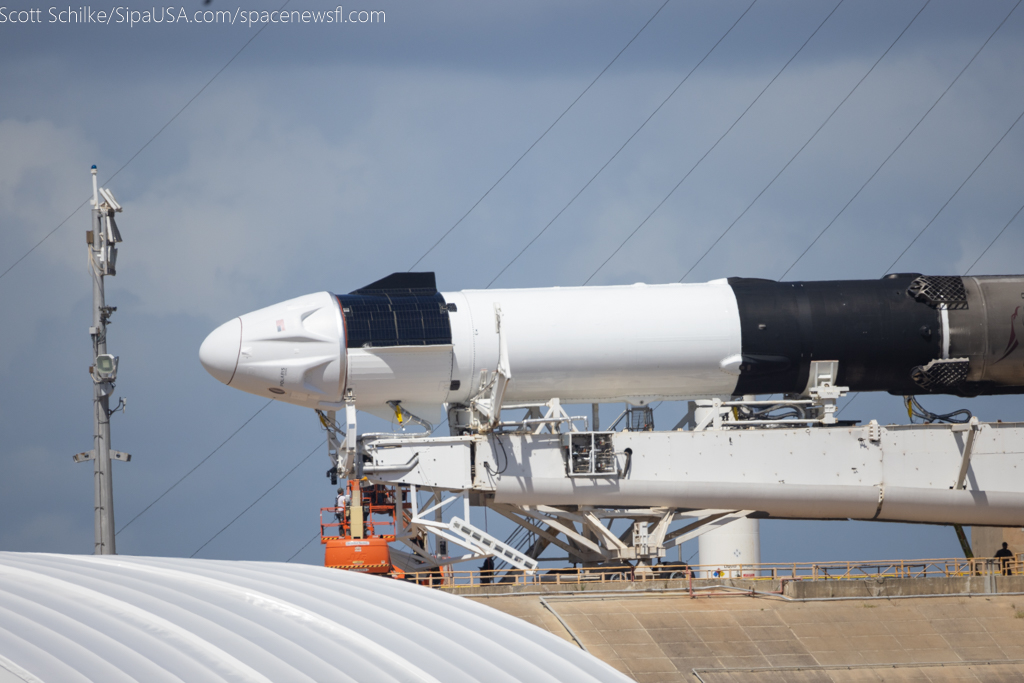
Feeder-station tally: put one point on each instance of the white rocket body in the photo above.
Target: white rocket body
(399, 340)
(636, 343)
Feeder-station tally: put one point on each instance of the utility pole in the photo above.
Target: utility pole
(102, 240)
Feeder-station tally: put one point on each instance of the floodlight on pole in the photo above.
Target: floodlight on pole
(102, 241)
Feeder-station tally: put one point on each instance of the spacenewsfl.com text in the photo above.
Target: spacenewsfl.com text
(86, 14)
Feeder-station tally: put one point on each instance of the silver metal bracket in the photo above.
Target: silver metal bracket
(91, 455)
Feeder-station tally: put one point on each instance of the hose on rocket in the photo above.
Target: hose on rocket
(915, 409)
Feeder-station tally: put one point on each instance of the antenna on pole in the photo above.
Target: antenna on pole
(102, 245)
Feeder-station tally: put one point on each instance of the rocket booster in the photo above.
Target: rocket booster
(399, 340)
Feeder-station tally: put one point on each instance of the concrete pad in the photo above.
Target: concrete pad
(838, 658)
(628, 637)
(943, 655)
(884, 642)
(963, 625)
(768, 632)
(969, 639)
(688, 663)
(980, 654)
(931, 641)
(735, 648)
(629, 652)
(759, 618)
(1008, 638)
(916, 627)
(611, 622)
(722, 634)
(861, 628)
(686, 650)
(743, 662)
(814, 630)
(704, 619)
(662, 677)
(1004, 625)
(651, 665)
(791, 660)
(886, 656)
(662, 620)
(788, 646)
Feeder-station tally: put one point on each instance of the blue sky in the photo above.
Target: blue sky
(327, 156)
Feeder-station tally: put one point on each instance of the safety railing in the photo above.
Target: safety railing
(335, 522)
(683, 575)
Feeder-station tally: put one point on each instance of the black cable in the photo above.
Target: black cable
(857, 194)
(185, 476)
(712, 148)
(804, 146)
(542, 135)
(995, 239)
(148, 142)
(915, 409)
(585, 186)
(487, 465)
(262, 496)
(306, 545)
(852, 399)
(918, 236)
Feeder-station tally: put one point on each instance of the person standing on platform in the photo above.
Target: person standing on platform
(487, 570)
(1004, 555)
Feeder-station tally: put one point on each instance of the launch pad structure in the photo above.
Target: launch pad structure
(565, 482)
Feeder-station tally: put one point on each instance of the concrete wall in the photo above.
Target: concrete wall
(664, 637)
(986, 540)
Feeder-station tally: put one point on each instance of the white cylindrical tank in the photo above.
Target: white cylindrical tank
(731, 550)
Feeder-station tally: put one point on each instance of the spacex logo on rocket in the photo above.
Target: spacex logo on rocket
(400, 340)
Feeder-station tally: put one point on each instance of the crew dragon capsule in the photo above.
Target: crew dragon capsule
(400, 341)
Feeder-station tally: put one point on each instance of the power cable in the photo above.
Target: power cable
(187, 474)
(148, 142)
(262, 496)
(857, 194)
(995, 239)
(799, 151)
(657, 109)
(306, 545)
(542, 135)
(711, 149)
(969, 176)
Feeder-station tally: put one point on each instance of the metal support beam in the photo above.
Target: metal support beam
(965, 462)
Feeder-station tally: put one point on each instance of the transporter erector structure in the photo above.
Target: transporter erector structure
(400, 348)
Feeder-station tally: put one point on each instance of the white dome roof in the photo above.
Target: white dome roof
(75, 618)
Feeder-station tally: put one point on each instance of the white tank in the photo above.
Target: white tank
(729, 551)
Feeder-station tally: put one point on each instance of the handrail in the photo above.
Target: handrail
(684, 574)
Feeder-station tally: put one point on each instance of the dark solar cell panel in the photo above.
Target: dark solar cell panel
(396, 319)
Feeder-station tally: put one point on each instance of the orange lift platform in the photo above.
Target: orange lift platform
(357, 534)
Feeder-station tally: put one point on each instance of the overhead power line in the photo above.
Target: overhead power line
(802, 147)
(623, 146)
(304, 546)
(542, 136)
(907, 136)
(198, 465)
(942, 208)
(712, 148)
(995, 239)
(262, 496)
(148, 142)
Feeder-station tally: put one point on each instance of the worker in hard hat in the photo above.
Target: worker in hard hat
(340, 506)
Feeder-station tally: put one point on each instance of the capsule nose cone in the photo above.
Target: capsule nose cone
(219, 352)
